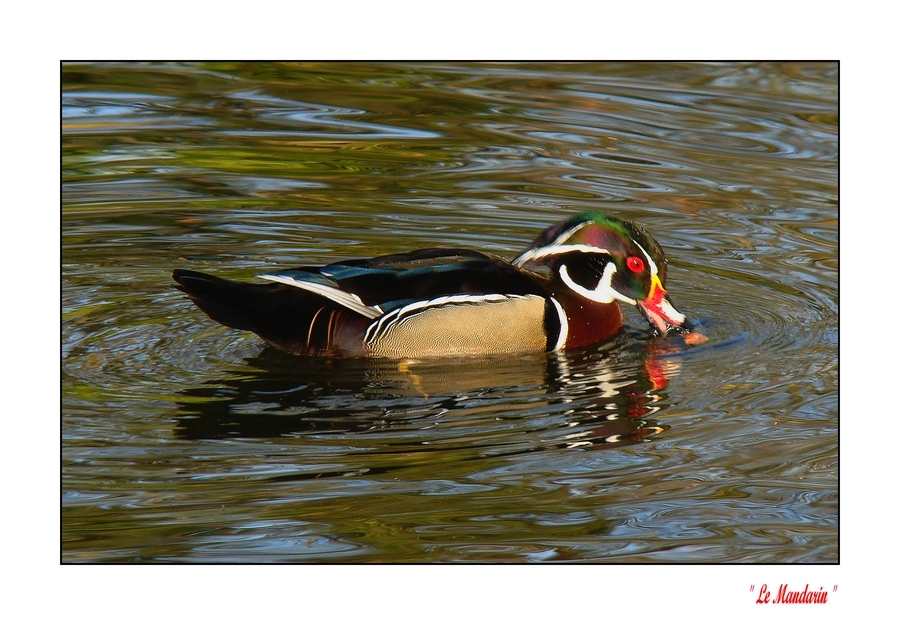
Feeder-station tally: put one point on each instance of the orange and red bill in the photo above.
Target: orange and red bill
(659, 310)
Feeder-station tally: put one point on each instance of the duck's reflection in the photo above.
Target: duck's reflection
(601, 398)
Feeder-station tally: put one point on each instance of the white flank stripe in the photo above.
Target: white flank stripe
(345, 299)
(374, 328)
(563, 325)
(401, 315)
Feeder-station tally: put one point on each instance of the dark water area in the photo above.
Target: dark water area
(184, 441)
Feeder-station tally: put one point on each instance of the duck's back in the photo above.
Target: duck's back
(423, 303)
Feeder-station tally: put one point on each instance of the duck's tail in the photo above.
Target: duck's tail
(289, 318)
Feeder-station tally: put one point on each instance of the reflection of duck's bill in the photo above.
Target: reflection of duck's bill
(660, 312)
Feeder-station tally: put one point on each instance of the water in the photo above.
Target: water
(183, 441)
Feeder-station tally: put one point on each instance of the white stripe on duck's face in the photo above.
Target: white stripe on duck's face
(599, 260)
(532, 256)
(617, 280)
(603, 293)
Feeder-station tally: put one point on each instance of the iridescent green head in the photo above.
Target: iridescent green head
(604, 258)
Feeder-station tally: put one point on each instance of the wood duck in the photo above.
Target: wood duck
(561, 293)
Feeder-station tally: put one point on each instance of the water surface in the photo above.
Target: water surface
(183, 441)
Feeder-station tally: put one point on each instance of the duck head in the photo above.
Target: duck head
(606, 259)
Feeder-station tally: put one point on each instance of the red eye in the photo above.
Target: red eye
(635, 264)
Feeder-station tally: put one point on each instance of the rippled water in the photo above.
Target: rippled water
(186, 441)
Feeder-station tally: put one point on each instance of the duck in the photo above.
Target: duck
(562, 293)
